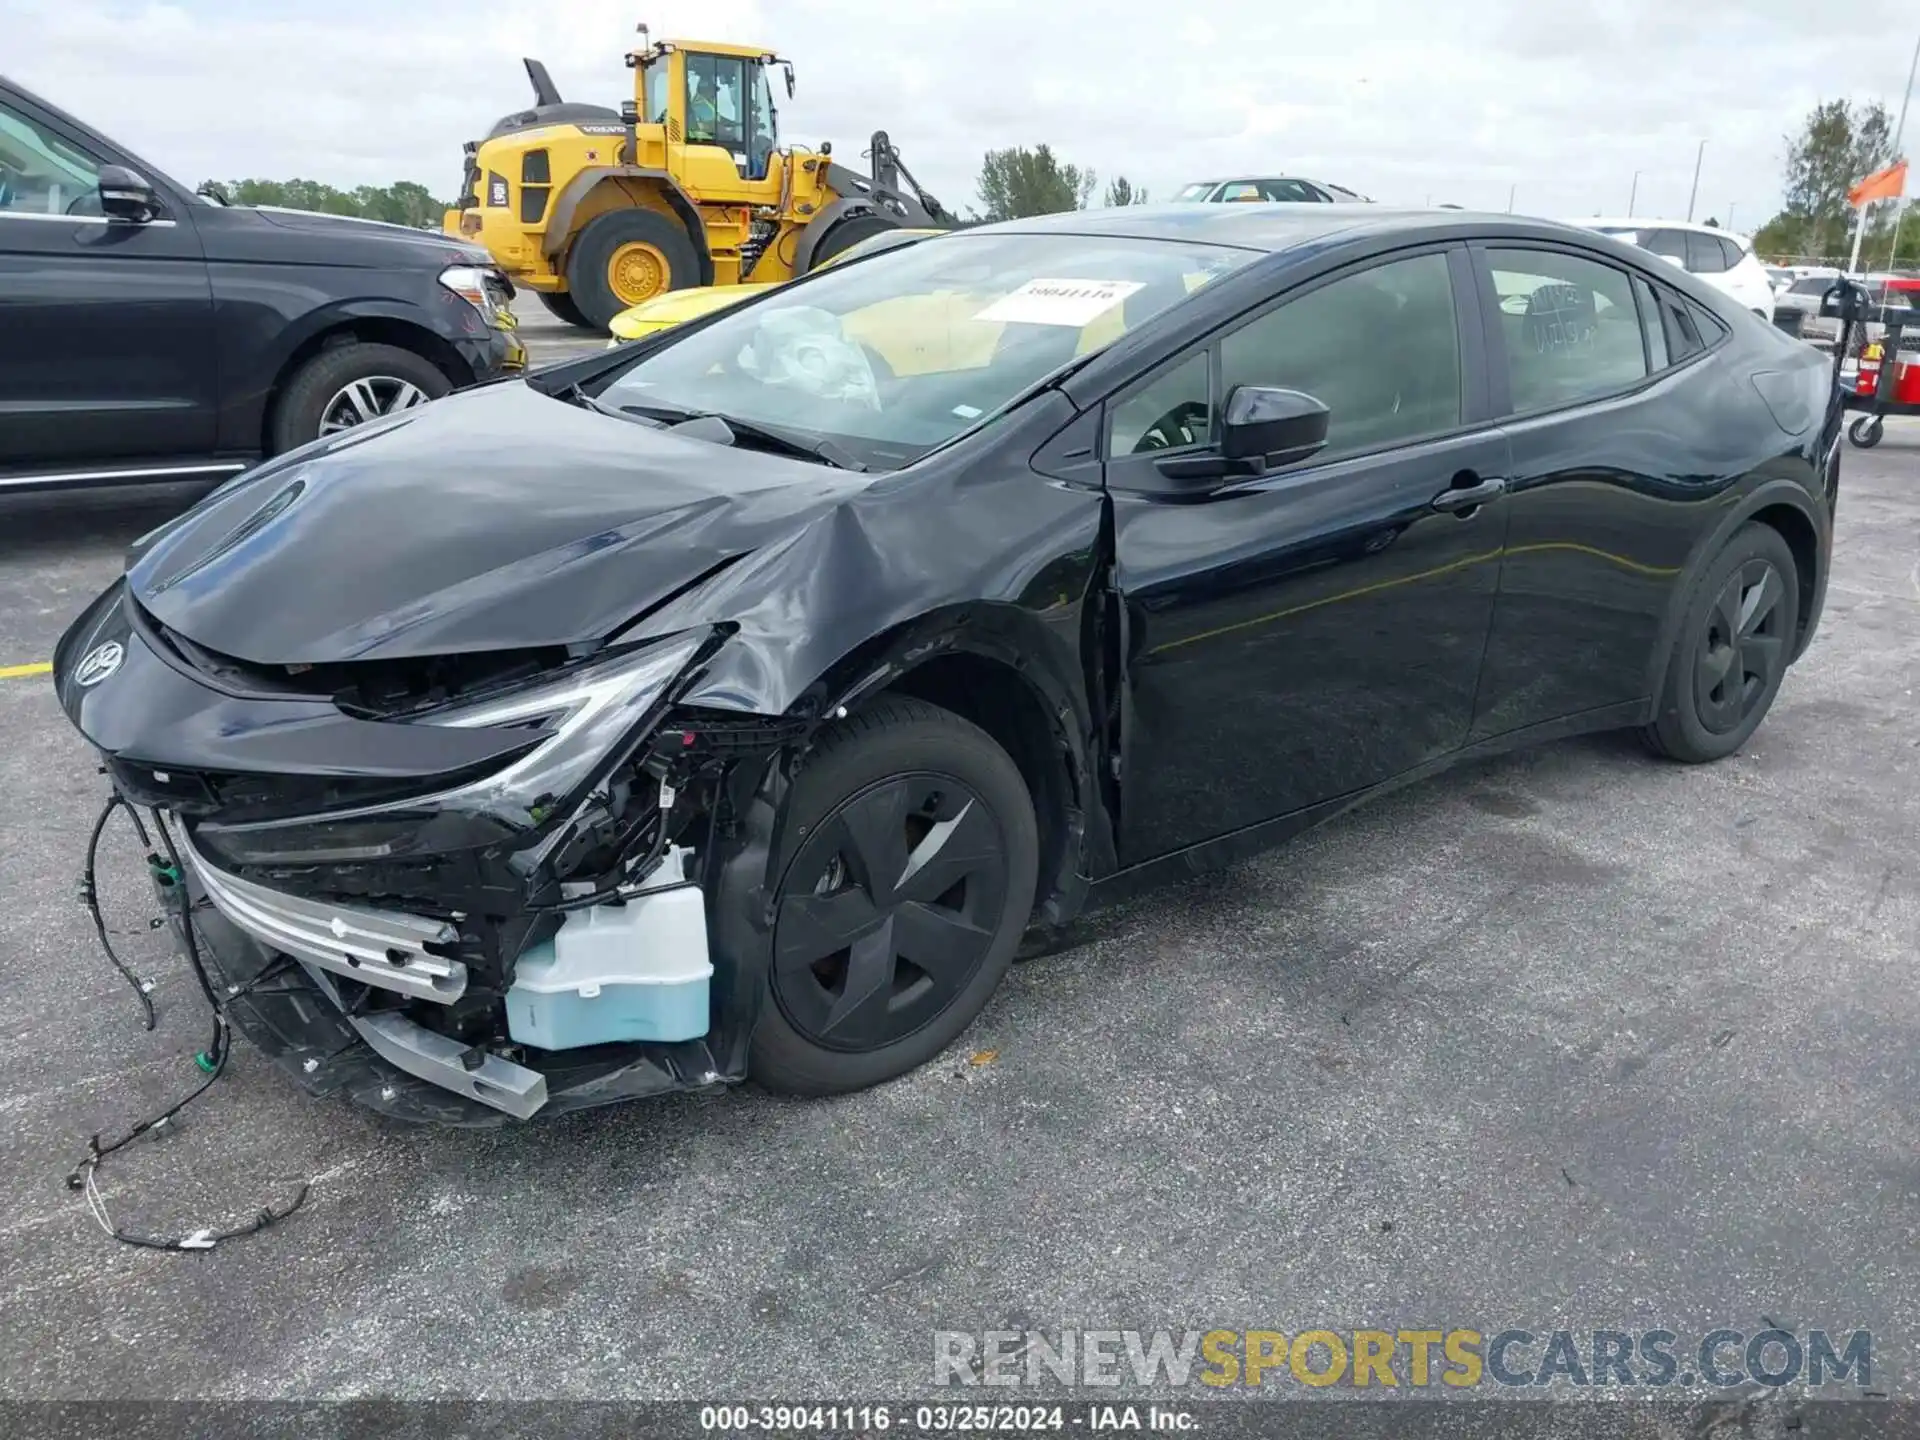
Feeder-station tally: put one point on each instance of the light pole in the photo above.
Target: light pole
(1730, 214)
(1694, 193)
(1511, 191)
(1633, 194)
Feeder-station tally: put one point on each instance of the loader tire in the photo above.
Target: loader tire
(565, 309)
(846, 234)
(625, 258)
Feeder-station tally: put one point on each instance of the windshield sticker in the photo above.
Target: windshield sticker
(1059, 302)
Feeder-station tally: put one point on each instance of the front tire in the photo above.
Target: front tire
(627, 257)
(348, 385)
(1866, 431)
(564, 308)
(912, 860)
(1731, 653)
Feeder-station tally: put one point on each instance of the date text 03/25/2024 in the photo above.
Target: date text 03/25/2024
(941, 1419)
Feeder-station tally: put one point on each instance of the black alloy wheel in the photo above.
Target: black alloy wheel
(1732, 651)
(914, 858)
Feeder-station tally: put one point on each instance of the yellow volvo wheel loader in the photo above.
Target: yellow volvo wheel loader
(596, 210)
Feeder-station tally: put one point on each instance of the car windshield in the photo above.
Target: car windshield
(1197, 191)
(1812, 285)
(887, 359)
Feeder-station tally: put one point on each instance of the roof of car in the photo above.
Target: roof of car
(1248, 175)
(1649, 222)
(1269, 227)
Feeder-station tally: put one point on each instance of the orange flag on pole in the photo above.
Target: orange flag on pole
(1881, 185)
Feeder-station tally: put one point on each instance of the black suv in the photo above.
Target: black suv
(155, 334)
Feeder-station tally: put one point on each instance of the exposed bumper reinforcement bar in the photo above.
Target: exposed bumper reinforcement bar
(500, 1084)
(386, 948)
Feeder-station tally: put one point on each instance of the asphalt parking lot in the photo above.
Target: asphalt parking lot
(1570, 1038)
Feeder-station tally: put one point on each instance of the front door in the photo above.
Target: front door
(1309, 634)
(108, 352)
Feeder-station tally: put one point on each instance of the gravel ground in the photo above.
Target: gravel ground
(1568, 1039)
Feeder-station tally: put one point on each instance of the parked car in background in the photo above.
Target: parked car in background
(1797, 306)
(1780, 277)
(1721, 258)
(1280, 189)
(763, 699)
(151, 334)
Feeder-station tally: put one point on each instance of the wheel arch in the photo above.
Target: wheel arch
(374, 324)
(1785, 506)
(998, 667)
(561, 232)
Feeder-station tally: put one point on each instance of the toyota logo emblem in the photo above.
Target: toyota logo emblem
(99, 663)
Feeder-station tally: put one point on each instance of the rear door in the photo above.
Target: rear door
(108, 325)
(1313, 632)
(1610, 413)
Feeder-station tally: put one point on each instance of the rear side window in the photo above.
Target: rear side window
(1651, 325)
(1570, 327)
(1731, 249)
(1289, 190)
(1684, 338)
(1670, 243)
(1704, 255)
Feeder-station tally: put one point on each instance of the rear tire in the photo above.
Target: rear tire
(649, 253)
(562, 307)
(912, 855)
(1731, 653)
(347, 380)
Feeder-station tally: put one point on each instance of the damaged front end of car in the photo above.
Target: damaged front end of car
(461, 889)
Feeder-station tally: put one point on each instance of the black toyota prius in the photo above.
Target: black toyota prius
(732, 704)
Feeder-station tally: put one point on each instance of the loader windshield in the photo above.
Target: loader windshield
(898, 353)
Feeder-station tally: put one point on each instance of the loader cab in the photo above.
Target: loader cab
(715, 95)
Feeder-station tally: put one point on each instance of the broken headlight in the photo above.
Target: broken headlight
(574, 723)
(581, 716)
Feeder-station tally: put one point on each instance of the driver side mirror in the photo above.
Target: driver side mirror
(1273, 426)
(127, 195)
(1264, 428)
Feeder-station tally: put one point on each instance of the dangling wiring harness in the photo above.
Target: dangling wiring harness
(170, 883)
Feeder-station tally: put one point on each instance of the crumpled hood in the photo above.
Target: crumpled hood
(496, 519)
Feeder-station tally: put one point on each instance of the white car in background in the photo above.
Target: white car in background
(1721, 258)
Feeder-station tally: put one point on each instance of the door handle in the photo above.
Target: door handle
(1468, 497)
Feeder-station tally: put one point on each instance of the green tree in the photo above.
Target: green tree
(1120, 191)
(1018, 182)
(403, 203)
(1836, 145)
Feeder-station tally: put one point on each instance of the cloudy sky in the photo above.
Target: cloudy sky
(1405, 100)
